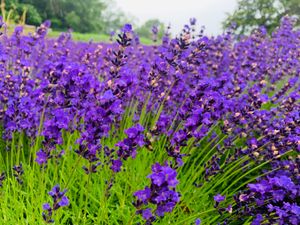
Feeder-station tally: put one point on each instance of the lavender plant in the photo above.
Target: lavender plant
(161, 193)
(59, 200)
(214, 120)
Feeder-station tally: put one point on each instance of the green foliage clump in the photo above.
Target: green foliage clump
(82, 16)
(251, 14)
(32, 16)
(146, 29)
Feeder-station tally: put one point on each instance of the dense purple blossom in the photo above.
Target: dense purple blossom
(128, 146)
(161, 193)
(274, 197)
(41, 157)
(219, 198)
(240, 97)
(197, 221)
(59, 200)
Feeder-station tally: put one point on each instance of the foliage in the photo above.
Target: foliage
(114, 18)
(69, 12)
(81, 16)
(31, 14)
(255, 13)
(73, 20)
(146, 30)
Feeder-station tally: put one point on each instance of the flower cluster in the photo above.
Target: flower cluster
(59, 200)
(161, 193)
(18, 173)
(273, 199)
(128, 146)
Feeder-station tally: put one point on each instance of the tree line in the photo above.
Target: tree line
(251, 14)
(84, 16)
(96, 16)
(80, 15)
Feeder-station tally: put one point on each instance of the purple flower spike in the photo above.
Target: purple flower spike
(64, 201)
(127, 28)
(197, 221)
(47, 23)
(154, 30)
(59, 200)
(193, 21)
(162, 192)
(41, 157)
(116, 165)
(143, 195)
(128, 147)
(258, 219)
(46, 206)
(147, 214)
(219, 198)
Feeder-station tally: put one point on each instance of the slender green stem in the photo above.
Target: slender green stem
(195, 216)
(73, 171)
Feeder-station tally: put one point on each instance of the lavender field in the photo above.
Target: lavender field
(192, 130)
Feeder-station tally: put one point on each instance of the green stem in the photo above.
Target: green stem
(195, 216)
(73, 171)
(86, 197)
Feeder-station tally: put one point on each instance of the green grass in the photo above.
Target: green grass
(86, 37)
(83, 37)
(91, 203)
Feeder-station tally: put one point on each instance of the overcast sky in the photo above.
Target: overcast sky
(177, 12)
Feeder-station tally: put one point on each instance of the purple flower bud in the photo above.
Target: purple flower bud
(161, 192)
(64, 201)
(59, 200)
(147, 214)
(143, 195)
(197, 221)
(41, 157)
(193, 21)
(46, 206)
(154, 30)
(219, 198)
(116, 165)
(127, 28)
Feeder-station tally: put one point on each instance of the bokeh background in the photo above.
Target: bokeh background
(96, 19)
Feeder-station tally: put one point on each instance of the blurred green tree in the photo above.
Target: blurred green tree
(80, 15)
(85, 16)
(73, 20)
(251, 14)
(31, 14)
(146, 29)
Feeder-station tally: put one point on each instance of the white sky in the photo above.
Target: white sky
(209, 13)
